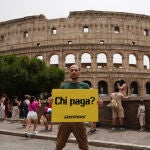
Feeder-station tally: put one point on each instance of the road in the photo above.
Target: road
(9, 142)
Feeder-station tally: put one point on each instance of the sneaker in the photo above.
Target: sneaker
(91, 132)
(122, 129)
(35, 132)
(142, 129)
(94, 131)
(113, 129)
(26, 135)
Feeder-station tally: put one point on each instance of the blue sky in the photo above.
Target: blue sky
(13, 9)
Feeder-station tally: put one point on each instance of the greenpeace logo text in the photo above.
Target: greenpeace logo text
(74, 116)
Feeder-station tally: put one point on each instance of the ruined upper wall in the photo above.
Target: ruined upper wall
(19, 20)
(81, 27)
(105, 13)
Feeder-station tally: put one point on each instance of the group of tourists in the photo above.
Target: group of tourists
(26, 108)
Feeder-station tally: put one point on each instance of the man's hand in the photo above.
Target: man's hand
(127, 97)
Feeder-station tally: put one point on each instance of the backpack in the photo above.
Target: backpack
(113, 103)
(24, 106)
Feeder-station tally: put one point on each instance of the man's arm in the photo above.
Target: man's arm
(124, 97)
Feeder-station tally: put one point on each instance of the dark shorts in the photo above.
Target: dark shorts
(25, 113)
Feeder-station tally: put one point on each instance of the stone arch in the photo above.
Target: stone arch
(147, 86)
(54, 60)
(68, 52)
(115, 85)
(40, 57)
(117, 60)
(132, 60)
(69, 60)
(88, 82)
(134, 88)
(146, 62)
(86, 60)
(101, 60)
(102, 88)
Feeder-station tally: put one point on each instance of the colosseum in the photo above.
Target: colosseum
(107, 46)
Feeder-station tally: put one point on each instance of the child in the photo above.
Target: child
(141, 115)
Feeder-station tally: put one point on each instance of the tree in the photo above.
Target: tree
(22, 75)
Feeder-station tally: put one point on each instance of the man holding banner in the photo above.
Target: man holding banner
(72, 106)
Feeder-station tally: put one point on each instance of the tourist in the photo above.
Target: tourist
(118, 112)
(122, 87)
(141, 114)
(25, 104)
(32, 115)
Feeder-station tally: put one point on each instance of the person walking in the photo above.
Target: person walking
(141, 114)
(32, 115)
(77, 128)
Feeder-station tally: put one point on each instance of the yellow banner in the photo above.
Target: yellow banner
(75, 105)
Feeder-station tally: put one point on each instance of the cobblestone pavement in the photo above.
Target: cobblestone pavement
(104, 137)
(8, 142)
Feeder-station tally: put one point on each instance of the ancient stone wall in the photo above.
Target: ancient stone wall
(116, 45)
(90, 32)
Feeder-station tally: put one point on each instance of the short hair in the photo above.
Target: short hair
(76, 66)
(121, 82)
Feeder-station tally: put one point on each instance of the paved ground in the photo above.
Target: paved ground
(128, 139)
(8, 142)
